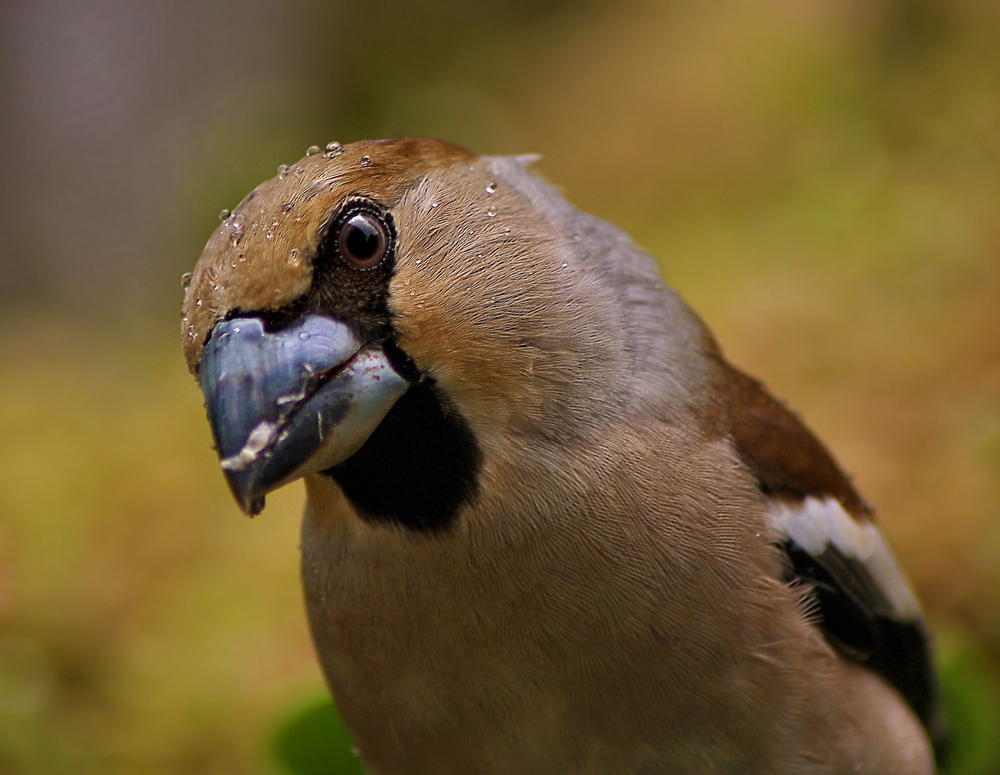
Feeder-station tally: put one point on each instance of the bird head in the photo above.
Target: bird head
(390, 312)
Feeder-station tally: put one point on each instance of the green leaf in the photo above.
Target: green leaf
(971, 686)
(312, 740)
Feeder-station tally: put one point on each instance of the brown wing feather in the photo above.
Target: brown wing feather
(784, 455)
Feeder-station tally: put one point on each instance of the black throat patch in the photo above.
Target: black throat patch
(418, 467)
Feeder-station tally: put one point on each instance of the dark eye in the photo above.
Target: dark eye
(363, 240)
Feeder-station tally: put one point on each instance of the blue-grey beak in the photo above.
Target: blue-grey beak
(288, 403)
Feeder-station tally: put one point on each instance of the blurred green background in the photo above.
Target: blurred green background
(821, 180)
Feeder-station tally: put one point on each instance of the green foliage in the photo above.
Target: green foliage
(311, 740)
(971, 685)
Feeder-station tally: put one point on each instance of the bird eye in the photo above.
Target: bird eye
(363, 240)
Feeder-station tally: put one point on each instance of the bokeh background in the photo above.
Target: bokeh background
(821, 180)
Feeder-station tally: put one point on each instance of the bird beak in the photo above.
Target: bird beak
(288, 403)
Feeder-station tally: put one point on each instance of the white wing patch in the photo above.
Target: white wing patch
(815, 524)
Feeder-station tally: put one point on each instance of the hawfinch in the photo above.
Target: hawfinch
(549, 528)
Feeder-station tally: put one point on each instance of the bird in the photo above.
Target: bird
(549, 528)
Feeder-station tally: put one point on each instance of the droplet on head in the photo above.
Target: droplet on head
(282, 170)
(491, 212)
(288, 207)
(298, 170)
(491, 188)
(223, 214)
(186, 279)
(366, 160)
(312, 150)
(333, 149)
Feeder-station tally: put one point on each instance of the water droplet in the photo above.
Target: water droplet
(366, 160)
(293, 253)
(269, 234)
(186, 279)
(237, 223)
(576, 236)
(236, 329)
(312, 150)
(333, 149)
(288, 207)
(197, 302)
(491, 188)
(298, 170)
(418, 261)
(223, 214)
(303, 335)
(491, 212)
(565, 265)
(282, 170)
